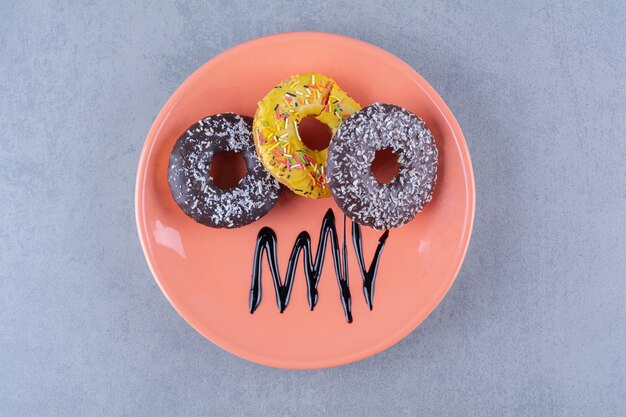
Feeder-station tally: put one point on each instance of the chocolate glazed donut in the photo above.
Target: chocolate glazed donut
(193, 188)
(350, 155)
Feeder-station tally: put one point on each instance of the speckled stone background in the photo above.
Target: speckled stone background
(535, 324)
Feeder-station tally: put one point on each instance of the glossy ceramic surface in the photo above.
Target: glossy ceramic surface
(205, 273)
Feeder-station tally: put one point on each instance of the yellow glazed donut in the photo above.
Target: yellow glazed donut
(276, 135)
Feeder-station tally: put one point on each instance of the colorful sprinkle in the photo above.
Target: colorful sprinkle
(273, 146)
(295, 126)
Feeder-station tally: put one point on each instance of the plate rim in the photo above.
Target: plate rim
(371, 349)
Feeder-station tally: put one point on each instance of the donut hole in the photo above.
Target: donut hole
(385, 166)
(314, 134)
(227, 169)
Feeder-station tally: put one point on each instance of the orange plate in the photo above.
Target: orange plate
(205, 273)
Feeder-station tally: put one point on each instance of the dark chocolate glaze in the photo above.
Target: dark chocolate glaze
(267, 243)
(193, 188)
(351, 153)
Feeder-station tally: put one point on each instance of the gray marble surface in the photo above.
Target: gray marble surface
(535, 324)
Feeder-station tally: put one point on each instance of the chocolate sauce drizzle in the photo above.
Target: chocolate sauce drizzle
(267, 243)
(368, 275)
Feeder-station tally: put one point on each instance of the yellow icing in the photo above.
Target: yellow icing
(276, 136)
